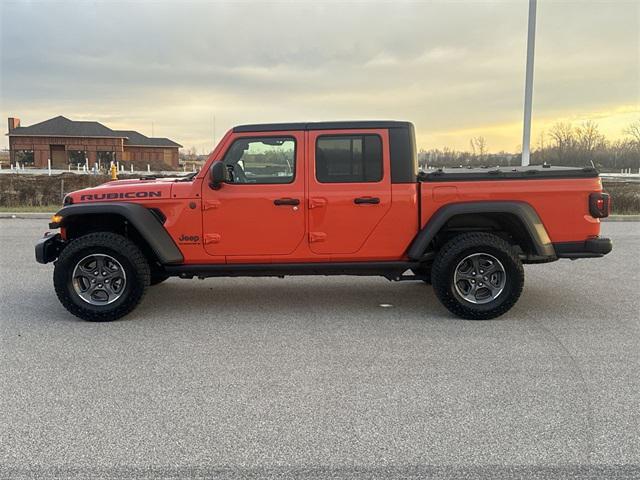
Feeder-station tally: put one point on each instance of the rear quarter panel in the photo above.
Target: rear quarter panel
(561, 204)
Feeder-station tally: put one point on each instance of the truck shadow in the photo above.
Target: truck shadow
(310, 296)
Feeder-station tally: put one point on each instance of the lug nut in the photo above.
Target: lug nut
(480, 284)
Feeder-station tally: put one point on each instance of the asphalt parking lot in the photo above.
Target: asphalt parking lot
(311, 377)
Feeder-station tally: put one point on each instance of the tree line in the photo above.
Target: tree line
(564, 144)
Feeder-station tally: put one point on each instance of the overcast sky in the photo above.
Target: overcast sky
(455, 69)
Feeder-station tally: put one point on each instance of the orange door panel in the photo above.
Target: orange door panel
(251, 218)
(349, 192)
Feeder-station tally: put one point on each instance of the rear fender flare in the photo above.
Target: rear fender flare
(145, 222)
(523, 211)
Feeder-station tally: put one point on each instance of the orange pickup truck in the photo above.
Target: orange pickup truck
(331, 198)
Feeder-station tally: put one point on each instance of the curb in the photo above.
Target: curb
(621, 218)
(25, 215)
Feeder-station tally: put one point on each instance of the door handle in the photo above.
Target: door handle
(286, 201)
(364, 200)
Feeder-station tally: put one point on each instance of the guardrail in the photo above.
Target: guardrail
(81, 169)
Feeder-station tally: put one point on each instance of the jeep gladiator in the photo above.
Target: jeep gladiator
(331, 198)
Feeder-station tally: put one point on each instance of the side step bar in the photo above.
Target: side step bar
(390, 270)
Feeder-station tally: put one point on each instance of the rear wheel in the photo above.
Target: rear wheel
(477, 276)
(101, 276)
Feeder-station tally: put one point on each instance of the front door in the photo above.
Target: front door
(260, 211)
(58, 157)
(349, 188)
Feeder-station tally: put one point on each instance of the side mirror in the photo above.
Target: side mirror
(218, 174)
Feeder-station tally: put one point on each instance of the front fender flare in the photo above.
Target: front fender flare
(145, 222)
(523, 211)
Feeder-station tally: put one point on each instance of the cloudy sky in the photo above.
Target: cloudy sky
(455, 68)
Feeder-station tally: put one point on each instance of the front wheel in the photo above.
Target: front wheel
(101, 276)
(477, 276)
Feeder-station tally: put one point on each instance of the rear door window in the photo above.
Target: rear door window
(348, 158)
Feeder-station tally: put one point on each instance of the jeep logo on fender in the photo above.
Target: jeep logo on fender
(116, 196)
(188, 238)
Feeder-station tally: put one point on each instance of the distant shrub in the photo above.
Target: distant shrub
(625, 197)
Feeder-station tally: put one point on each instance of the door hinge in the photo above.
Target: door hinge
(211, 238)
(317, 202)
(209, 204)
(317, 237)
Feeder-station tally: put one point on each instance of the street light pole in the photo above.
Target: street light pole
(528, 86)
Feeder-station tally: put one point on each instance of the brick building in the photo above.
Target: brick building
(68, 142)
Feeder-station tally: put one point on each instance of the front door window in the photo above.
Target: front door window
(261, 160)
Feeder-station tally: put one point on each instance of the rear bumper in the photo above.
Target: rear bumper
(591, 248)
(48, 247)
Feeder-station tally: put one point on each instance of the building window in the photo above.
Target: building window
(76, 156)
(24, 157)
(348, 158)
(105, 158)
(262, 160)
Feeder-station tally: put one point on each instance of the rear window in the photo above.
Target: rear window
(348, 158)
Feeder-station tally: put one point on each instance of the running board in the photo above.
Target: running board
(389, 270)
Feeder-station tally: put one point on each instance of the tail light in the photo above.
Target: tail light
(599, 205)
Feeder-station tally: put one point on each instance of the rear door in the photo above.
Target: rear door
(349, 188)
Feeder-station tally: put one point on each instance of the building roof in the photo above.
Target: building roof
(63, 127)
(136, 139)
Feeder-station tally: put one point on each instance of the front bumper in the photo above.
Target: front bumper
(590, 248)
(49, 247)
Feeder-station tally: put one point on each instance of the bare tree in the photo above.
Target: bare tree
(479, 146)
(588, 137)
(563, 139)
(633, 130)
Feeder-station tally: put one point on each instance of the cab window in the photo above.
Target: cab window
(261, 160)
(348, 158)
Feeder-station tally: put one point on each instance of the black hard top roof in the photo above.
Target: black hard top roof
(342, 125)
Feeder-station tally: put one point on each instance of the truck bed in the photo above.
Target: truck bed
(559, 195)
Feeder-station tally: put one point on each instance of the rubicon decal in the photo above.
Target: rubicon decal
(116, 196)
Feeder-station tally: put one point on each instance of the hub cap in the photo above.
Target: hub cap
(99, 279)
(479, 278)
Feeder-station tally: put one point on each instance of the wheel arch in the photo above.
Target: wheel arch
(139, 223)
(518, 219)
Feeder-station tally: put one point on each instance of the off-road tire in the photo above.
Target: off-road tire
(129, 256)
(457, 249)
